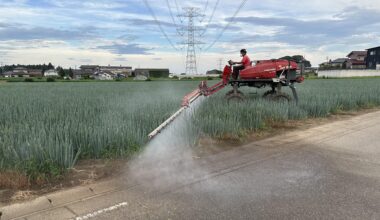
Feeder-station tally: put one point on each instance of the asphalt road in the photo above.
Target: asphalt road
(330, 171)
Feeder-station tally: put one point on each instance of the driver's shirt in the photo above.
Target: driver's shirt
(246, 61)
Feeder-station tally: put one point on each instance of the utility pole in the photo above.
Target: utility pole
(191, 60)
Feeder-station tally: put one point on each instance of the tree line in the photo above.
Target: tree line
(43, 67)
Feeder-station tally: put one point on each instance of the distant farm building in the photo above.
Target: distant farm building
(23, 72)
(96, 71)
(118, 70)
(156, 73)
(89, 69)
(373, 58)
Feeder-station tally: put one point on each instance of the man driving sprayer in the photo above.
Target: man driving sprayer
(244, 63)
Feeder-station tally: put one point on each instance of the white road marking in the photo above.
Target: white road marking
(98, 212)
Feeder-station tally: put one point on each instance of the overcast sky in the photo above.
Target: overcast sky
(123, 32)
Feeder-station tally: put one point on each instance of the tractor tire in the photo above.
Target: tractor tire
(232, 92)
(269, 94)
(280, 97)
(238, 97)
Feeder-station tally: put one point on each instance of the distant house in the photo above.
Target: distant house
(24, 72)
(356, 64)
(78, 74)
(89, 69)
(373, 58)
(357, 60)
(8, 74)
(51, 73)
(86, 71)
(34, 73)
(92, 70)
(123, 71)
(103, 75)
(357, 55)
(324, 65)
(340, 63)
(157, 73)
(20, 71)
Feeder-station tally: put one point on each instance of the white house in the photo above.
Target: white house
(102, 75)
(118, 70)
(8, 74)
(50, 73)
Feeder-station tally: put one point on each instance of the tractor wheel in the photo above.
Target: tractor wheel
(280, 97)
(229, 93)
(238, 97)
(232, 92)
(269, 94)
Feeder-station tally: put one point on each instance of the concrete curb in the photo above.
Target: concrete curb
(58, 200)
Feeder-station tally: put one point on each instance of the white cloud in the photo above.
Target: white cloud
(110, 22)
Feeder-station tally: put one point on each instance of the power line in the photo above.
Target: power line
(211, 17)
(206, 6)
(171, 13)
(159, 24)
(177, 7)
(228, 24)
(173, 19)
(204, 11)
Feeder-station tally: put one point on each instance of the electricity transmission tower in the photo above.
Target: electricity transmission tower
(192, 31)
(220, 63)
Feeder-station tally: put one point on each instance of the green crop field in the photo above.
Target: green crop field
(318, 98)
(47, 127)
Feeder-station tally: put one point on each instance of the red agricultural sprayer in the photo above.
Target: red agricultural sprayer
(266, 73)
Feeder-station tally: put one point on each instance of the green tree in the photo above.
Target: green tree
(298, 59)
(71, 73)
(43, 67)
(61, 71)
(50, 66)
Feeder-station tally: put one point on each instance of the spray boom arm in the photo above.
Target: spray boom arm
(202, 90)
